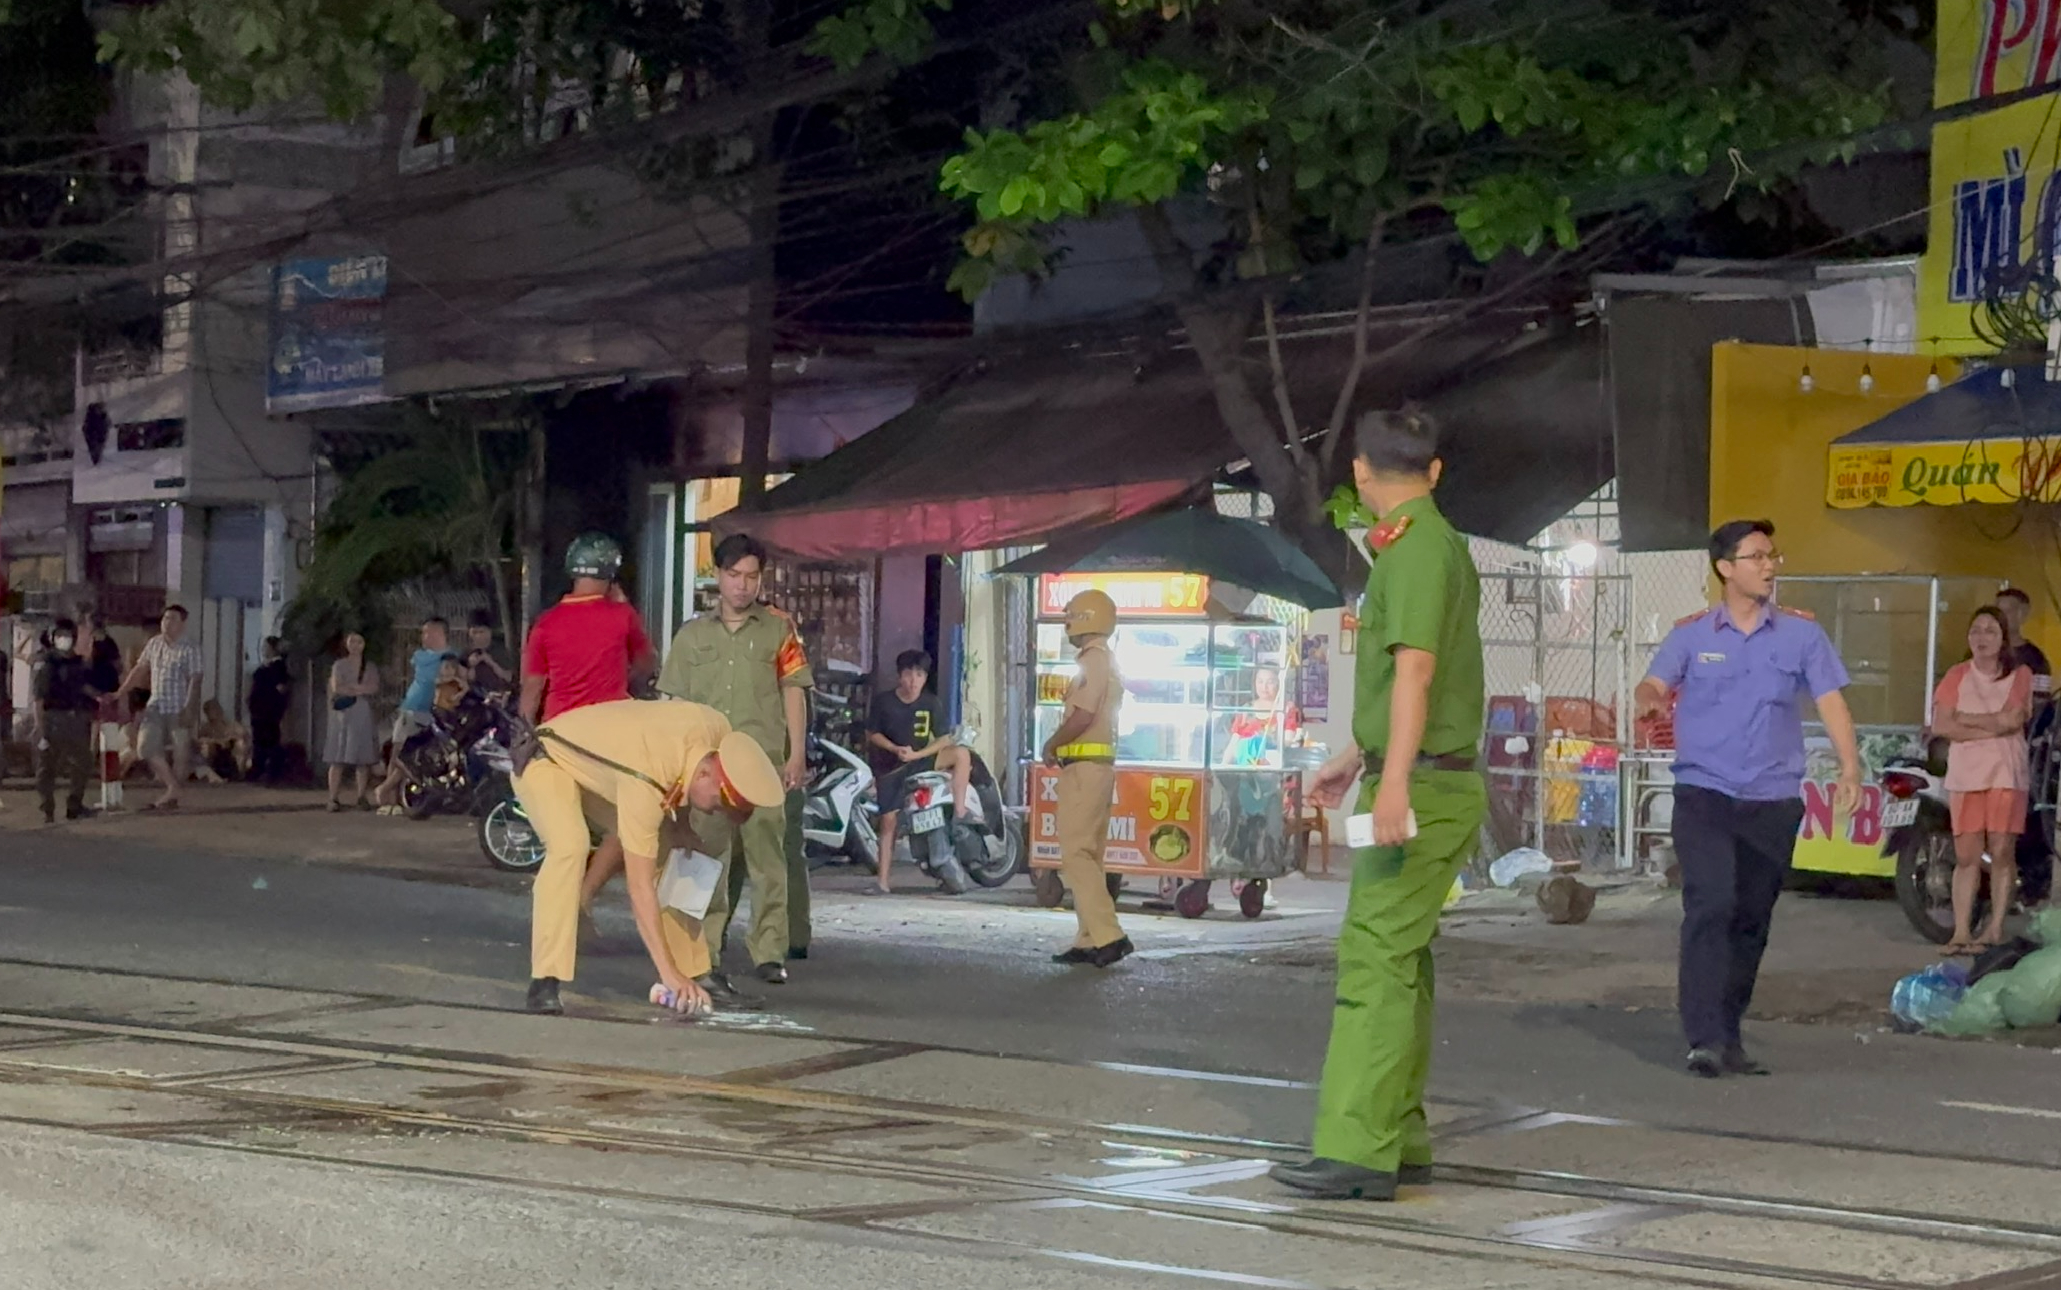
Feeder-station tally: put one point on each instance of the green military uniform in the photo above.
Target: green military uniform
(744, 674)
(1423, 594)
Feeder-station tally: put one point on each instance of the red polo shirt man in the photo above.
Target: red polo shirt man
(584, 649)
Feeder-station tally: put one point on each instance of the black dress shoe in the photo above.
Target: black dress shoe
(795, 952)
(771, 973)
(727, 996)
(79, 811)
(1113, 953)
(1322, 1179)
(1078, 956)
(1705, 1063)
(1736, 1062)
(543, 998)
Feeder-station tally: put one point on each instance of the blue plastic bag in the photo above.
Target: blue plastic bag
(1924, 999)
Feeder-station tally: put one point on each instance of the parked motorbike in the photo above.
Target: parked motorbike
(984, 844)
(1921, 836)
(840, 819)
(460, 762)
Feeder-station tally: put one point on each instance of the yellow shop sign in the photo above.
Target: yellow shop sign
(1998, 471)
(1995, 207)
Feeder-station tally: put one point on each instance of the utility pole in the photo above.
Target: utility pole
(761, 310)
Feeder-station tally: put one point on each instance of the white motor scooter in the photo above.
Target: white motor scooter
(839, 818)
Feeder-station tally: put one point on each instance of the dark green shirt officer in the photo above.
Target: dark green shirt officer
(1423, 593)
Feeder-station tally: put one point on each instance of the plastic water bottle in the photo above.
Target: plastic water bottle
(665, 998)
(1923, 999)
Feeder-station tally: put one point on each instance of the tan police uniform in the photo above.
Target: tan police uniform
(744, 674)
(571, 788)
(1087, 786)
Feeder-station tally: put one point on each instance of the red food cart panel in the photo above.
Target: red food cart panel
(1158, 822)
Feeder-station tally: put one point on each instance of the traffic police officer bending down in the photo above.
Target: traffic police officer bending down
(1084, 749)
(1741, 672)
(630, 768)
(1417, 716)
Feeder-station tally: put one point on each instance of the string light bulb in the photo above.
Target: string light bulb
(2010, 379)
(1807, 382)
(1933, 384)
(1867, 378)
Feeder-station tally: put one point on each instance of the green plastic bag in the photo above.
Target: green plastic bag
(2026, 994)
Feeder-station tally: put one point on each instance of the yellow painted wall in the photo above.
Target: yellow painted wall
(1768, 454)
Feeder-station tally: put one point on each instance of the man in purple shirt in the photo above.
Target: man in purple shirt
(1742, 671)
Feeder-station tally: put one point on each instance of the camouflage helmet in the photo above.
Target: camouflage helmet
(1091, 613)
(594, 555)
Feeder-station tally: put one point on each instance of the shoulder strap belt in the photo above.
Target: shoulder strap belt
(546, 732)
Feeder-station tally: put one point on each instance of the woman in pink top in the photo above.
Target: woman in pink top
(1982, 709)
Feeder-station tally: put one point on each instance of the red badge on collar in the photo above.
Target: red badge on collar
(1384, 534)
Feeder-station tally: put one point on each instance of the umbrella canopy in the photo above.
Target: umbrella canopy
(1991, 437)
(1240, 552)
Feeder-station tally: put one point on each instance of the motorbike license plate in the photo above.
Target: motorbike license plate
(1898, 814)
(925, 821)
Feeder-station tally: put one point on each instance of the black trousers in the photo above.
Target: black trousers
(70, 754)
(267, 758)
(1734, 855)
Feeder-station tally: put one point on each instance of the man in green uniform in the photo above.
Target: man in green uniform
(745, 660)
(1417, 724)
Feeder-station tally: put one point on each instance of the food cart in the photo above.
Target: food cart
(1209, 775)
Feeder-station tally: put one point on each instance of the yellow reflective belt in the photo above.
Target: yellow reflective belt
(1081, 752)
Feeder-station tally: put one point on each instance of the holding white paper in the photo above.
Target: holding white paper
(689, 881)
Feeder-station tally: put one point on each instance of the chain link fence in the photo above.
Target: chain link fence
(1568, 624)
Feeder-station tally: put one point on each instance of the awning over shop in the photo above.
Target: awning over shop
(1019, 454)
(1000, 459)
(1991, 437)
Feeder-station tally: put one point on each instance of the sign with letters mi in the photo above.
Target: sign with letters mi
(1995, 206)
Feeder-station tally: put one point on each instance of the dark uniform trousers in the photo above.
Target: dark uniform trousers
(1734, 855)
(69, 755)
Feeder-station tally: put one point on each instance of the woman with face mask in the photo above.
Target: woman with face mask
(63, 731)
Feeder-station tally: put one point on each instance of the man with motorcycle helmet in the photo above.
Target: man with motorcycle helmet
(630, 769)
(589, 646)
(1084, 749)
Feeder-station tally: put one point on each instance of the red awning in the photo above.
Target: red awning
(1002, 459)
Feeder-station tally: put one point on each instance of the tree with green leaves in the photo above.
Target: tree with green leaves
(442, 501)
(1322, 131)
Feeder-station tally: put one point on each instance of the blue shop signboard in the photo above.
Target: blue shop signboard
(328, 333)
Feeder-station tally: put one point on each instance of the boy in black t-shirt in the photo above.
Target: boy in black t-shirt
(905, 736)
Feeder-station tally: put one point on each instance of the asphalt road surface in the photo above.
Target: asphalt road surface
(1007, 1035)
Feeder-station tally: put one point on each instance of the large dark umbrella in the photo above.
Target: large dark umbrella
(1240, 552)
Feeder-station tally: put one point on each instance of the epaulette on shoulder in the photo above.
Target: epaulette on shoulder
(777, 611)
(1804, 614)
(1686, 619)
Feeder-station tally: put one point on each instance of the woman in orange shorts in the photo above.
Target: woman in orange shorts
(1982, 710)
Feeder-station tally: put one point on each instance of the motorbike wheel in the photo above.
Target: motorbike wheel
(1049, 887)
(508, 840)
(933, 854)
(992, 869)
(419, 800)
(1925, 881)
(862, 842)
(1192, 901)
(1252, 898)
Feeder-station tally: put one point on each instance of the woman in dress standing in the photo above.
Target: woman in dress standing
(351, 740)
(1981, 708)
